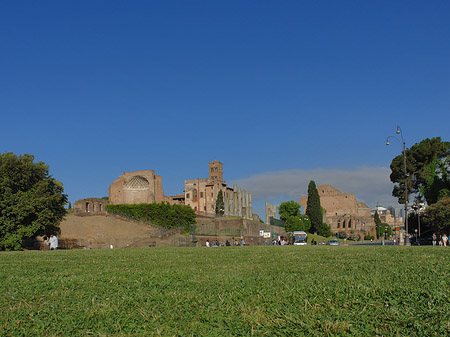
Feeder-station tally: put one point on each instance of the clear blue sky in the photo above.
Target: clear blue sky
(284, 91)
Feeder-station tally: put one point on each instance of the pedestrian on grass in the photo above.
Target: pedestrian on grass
(444, 240)
(434, 239)
(207, 243)
(227, 243)
(52, 242)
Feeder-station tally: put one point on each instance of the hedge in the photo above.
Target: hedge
(157, 214)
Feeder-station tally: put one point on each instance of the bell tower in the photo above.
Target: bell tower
(216, 171)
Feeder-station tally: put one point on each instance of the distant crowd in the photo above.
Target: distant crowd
(441, 240)
(234, 242)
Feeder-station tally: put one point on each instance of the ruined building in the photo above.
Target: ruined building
(201, 194)
(342, 211)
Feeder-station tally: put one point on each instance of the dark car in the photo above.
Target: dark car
(422, 241)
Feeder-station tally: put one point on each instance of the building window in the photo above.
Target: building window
(339, 224)
(343, 224)
(195, 208)
(212, 195)
(204, 208)
(187, 195)
(350, 223)
(194, 195)
(87, 207)
(201, 195)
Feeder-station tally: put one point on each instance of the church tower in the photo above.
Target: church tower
(216, 171)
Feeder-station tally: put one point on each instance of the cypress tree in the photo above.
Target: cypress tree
(313, 210)
(220, 205)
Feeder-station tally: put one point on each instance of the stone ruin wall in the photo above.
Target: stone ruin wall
(271, 212)
(137, 188)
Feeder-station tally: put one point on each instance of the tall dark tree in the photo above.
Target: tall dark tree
(377, 220)
(313, 209)
(31, 201)
(418, 159)
(220, 204)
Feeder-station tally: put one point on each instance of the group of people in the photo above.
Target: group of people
(442, 240)
(279, 242)
(227, 243)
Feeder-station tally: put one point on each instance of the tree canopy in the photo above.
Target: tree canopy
(438, 215)
(288, 209)
(418, 160)
(294, 221)
(313, 209)
(31, 201)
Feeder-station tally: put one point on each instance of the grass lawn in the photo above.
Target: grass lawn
(228, 291)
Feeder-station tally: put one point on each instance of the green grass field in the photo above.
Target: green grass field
(229, 291)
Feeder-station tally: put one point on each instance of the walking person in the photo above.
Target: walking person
(52, 242)
(444, 240)
(434, 239)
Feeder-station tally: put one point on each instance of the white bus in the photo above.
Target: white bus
(299, 238)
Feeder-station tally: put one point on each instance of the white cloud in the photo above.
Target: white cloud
(369, 184)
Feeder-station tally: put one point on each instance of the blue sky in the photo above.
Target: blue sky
(280, 92)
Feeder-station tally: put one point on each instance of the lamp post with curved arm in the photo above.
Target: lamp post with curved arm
(403, 144)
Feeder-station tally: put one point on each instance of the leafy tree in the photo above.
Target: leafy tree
(437, 180)
(325, 230)
(297, 223)
(220, 205)
(31, 201)
(437, 216)
(418, 159)
(313, 209)
(288, 209)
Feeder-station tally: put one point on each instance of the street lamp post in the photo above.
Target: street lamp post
(403, 144)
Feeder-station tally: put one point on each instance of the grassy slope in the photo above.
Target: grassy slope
(272, 290)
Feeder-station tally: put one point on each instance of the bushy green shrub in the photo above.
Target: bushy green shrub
(158, 214)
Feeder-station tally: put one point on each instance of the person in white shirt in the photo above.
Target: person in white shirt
(444, 240)
(52, 242)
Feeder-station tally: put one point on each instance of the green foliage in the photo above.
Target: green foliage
(31, 201)
(277, 222)
(288, 209)
(229, 291)
(437, 180)
(418, 159)
(383, 231)
(298, 223)
(313, 208)
(105, 198)
(158, 214)
(325, 230)
(437, 216)
(220, 204)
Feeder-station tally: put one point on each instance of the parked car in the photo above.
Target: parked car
(422, 241)
(333, 242)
